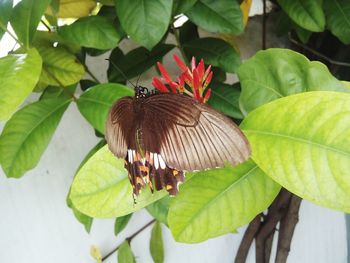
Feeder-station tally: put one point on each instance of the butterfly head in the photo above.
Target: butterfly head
(141, 92)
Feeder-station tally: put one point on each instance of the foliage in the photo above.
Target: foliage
(294, 112)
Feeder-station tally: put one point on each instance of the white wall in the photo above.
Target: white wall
(36, 226)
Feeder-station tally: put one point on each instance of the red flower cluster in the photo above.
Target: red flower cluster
(197, 78)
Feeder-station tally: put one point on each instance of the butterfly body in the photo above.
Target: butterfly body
(162, 135)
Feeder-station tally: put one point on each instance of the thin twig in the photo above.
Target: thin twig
(319, 54)
(129, 239)
(247, 239)
(178, 43)
(3, 27)
(46, 25)
(264, 26)
(287, 227)
(90, 73)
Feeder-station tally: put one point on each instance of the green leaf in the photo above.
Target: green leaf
(85, 220)
(57, 92)
(60, 67)
(125, 254)
(18, 75)
(145, 21)
(135, 62)
(102, 188)
(214, 51)
(302, 142)
(225, 98)
(121, 223)
(27, 134)
(224, 16)
(92, 31)
(275, 73)
(95, 103)
(25, 19)
(303, 34)
(188, 32)
(218, 201)
(181, 6)
(5, 14)
(156, 244)
(307, 14)
(74, 8)
(159, 209)
(338, 18)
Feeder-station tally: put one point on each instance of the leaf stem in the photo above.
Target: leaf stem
(264, 26)
(178, 43)
(129, 239)
(46, 25)
(90, 73)
(3, 27)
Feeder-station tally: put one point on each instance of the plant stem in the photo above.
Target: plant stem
(287, 227)
(46, 25)
(3, 27)
(178, 43)
(264, 26)
(90, 73)
(247, 240)
(129, 239)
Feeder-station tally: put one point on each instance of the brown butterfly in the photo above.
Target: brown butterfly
(163, 135)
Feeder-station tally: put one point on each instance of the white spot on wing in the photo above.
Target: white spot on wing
(155, 158)
(161, 162)
(129, 156)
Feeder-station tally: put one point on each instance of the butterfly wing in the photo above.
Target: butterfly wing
(120, 122)
(191, 135)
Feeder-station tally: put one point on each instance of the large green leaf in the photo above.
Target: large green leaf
(225, 98)
(92, 31)
(25, 18)
(338, 18)
(74, 8)
(156, 243)
(214, 51)
(145, 21)
(102, 188)
(159, 209)
(275, 73)
(223, 16)
(60, 67)
(5, 14)
(95, 103)
(218, 201)
(307, 14)
(27, 134)
(125, 254)
(121, 223)
(18, 75)
(180, 6)
(135, 62)
(302, 142)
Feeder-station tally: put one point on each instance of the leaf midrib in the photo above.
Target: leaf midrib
(299, 139)
(219, 195)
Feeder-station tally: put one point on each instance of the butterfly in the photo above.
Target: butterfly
(163, 135)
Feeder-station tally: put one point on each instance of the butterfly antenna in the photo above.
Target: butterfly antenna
(121, 72)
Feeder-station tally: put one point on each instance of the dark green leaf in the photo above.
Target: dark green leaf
(223, 16)
(121, 223)
(188, 32)
(182, 6)
(225, 98)
(25, 19)
(19, 74)
(145, 21)
(125, 254)
(159, 209)
(214, 51)
(338, 18)
(5, 14)
(135, 62)
(93, 31)
(156, 243)
(218, 74)
(52, 92)
(302, 33)
(94, 104)
(86, 83)
(27, 134)
(307, 14)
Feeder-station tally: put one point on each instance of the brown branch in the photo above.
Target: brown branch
(247, 239)
(268, 246)
(287, 227)
(264, 25)
(129, 239)
(276, 212)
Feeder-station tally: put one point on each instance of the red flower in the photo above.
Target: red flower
(197, 79)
